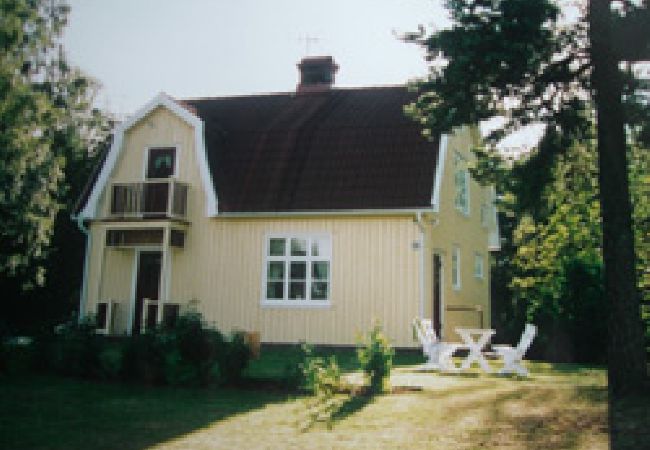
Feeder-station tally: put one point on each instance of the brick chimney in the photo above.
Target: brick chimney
(316, 74)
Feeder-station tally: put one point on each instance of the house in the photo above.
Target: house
(302, 216)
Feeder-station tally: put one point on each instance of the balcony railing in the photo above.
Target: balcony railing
(151, 198)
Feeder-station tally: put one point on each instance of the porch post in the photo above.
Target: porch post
(165, 272)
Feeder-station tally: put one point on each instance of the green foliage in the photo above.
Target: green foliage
(551, 258)
(524, 62)
(47, 123)
(189, 354)
(322, 377)
(376, 359)
(73, 349)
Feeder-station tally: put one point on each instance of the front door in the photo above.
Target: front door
(147, 283)
(437, 294)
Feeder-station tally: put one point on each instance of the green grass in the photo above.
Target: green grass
(557, 407)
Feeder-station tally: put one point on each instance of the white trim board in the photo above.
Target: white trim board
(440, 170)
(89, 210)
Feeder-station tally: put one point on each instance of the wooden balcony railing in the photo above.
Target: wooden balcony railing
(151, 198)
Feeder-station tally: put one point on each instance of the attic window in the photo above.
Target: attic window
(161, 162)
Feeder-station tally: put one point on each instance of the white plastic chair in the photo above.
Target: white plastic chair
(438, 353)
(513, 356)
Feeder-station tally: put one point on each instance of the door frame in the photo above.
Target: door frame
(134, 280)
(441, 276)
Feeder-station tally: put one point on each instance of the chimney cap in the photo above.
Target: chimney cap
(316, 73)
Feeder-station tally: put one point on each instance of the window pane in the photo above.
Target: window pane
(298, 247)
(298, 270)
(275, 290)
(276, 270)
(320, 270)
(297, 290)
(320, 247)
(161, 162)
(319, 290)
(276, 247)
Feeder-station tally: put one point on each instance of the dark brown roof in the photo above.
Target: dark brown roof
(336, 150)
(340, 149)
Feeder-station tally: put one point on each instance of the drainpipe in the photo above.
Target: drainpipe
(84, 281)
(418, 221)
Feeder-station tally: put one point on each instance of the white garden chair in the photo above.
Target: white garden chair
(513, 356)
(438, 353)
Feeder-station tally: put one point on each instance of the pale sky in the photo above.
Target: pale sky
(201, 48)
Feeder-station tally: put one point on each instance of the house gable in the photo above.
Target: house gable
(90, 202)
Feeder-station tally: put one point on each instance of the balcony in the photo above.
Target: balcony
(149, 199)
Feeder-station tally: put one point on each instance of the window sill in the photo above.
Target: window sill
(306, 304)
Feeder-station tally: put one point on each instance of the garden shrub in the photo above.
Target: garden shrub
(143, 358)
(236, 358)
(73, 349)
(110, 362)
(189, 353)
(323, 379)
(16, 356)
(376, 359)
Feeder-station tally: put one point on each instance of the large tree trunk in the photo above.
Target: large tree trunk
(626, 352)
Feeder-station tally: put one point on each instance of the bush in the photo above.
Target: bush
(190, 353)
(323, 379)
(236, 359)
(73, 349)
(16, 356)
(143, 359)
(110, 362)
(376, 359)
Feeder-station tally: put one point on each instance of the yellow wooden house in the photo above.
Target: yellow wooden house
(303, 216)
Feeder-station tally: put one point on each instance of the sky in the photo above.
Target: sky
(207, 48)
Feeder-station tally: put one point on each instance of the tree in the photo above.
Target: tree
(525, 61)
(49, 138)
(45, 122)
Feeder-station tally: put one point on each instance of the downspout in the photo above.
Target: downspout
(84, 282)
(418, 221)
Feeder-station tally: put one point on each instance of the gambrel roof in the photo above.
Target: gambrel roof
(330, 150)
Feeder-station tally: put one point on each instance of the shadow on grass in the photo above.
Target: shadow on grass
(351, 405)
(55, 413)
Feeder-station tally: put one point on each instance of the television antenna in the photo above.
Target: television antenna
(309, 41)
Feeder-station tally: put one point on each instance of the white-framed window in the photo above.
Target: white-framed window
(455, 267)
(479, 270)
(461, 184)
(297, 270)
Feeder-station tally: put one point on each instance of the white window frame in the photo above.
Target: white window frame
(460, 166)
(479, 266)
(145, 163)
(287, 259)
(455, 268)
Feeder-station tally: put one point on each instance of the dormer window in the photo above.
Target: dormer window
(161, 162)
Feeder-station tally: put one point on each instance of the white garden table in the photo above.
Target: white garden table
(475, 339)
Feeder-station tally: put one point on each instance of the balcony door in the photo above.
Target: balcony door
(147, 286)
(161, 164)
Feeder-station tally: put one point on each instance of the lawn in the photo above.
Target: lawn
(558, 407)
